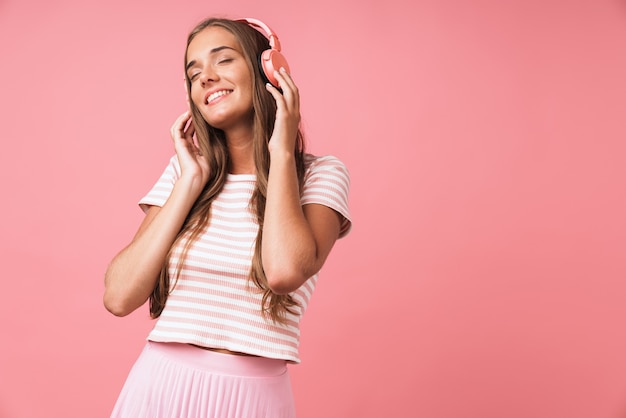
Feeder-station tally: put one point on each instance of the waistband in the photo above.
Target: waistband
(215, 362)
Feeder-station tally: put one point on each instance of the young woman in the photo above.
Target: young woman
(235, 232)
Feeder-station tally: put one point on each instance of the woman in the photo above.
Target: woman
(235, 232)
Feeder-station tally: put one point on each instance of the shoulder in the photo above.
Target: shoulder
(327, 164)
(327, 182)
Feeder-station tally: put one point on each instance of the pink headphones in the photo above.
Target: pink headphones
(271, 59)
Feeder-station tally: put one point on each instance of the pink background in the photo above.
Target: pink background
(485, 275)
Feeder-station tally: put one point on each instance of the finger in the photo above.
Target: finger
(188, 128)
(283, 74)
(178, 128)
(191, 130)
(183, 125)
(286, 81)
(182, 119)
(280, 100)
(290, 90)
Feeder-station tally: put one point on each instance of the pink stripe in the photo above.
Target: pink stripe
(217, 330)
(221, 258)
(204, 316)
(199, 307)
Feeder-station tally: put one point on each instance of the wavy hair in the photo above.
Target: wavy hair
(212, 143)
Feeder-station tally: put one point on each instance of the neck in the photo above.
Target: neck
(241, 151)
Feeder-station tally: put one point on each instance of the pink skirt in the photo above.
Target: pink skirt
(179, 380)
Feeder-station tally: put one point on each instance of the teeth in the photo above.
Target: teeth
(217, 94)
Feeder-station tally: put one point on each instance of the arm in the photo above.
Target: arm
(132, 274)
(296, 239)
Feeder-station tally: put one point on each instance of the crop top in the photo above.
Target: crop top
(214, 303)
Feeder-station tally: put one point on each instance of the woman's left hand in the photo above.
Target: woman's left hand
(287, 113)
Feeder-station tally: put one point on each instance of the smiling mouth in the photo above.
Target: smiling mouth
(216, 95)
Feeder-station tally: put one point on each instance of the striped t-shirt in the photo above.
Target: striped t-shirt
(214, 303)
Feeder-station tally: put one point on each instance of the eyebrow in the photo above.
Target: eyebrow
(211, 52)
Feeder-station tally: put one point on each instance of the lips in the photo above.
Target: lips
(212, 96)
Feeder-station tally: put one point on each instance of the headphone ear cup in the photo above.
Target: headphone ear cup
(272, 60)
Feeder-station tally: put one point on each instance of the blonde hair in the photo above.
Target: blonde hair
(212, 143)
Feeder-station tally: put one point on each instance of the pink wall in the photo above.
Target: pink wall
(485, 275)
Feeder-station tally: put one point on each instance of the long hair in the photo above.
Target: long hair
(212, 143)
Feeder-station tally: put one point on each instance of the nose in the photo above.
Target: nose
(208, 76)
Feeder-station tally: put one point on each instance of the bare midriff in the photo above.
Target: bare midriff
(224, 351)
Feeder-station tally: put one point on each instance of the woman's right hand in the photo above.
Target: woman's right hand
(134, 271)
(193, 164)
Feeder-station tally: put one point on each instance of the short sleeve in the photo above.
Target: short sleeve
(160, 192)
(327, 182)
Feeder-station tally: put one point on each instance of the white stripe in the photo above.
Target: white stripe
(177, 300)
(234, 234)
(229, 264)
(269, 349)
(222, 256)
(242, 337)
(233, 326)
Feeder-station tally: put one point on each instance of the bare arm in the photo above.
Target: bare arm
(296, 239)
(133, 272)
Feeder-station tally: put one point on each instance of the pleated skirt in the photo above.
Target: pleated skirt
(172, 380)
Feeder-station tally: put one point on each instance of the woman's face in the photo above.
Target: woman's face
(221, 82)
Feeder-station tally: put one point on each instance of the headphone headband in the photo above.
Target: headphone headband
(270, 60)
(274, 42)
